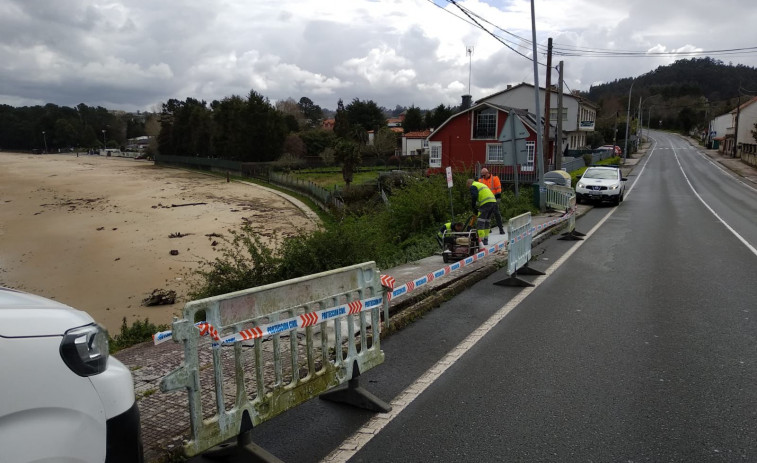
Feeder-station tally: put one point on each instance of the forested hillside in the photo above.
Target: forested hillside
(681, 96)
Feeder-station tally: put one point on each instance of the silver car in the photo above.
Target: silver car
(601, 183)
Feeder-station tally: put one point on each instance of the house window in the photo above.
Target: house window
(425, 143)
(553, 114)
(435, 157)
(529, 165)
(485, 124)
(494, 154)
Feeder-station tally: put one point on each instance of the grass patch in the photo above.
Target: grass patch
(140, 331)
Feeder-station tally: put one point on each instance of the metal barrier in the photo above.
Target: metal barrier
(572, 234)
(250, 383)
(520, 233)
(558, 197)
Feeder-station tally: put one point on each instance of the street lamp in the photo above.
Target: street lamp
(628, 121)
(104, 144)
(45, 139)
(641, 115)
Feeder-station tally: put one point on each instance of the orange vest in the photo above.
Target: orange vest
(492, 183)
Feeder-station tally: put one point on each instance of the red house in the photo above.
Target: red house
(471, 137)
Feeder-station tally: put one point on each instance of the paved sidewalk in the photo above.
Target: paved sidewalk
(736, 165)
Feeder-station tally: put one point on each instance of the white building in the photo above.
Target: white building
(578, 115)
(743, 119)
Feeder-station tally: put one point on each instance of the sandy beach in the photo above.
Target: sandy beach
(94, 232)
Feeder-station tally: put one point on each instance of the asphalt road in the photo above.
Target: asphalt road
(638, 345)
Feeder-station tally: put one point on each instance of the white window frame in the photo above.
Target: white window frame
(491, 116)
(553, 114)
(529, 165)
(435, 154)
(494, 153)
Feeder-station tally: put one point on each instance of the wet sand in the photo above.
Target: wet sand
(93, 232)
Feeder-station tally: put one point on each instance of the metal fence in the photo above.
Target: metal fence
(307, 352)
(260, 171)
(310, 189)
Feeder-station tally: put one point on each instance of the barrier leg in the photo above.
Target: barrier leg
(244, 447)
(526, 270)
(513, 281)
(572, 236)
(355, 395)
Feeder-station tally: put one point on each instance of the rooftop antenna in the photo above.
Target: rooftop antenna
(469, 52)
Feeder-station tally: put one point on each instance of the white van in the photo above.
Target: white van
(64, 397)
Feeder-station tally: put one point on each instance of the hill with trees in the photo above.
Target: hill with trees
(682, 96)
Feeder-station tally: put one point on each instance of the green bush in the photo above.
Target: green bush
(393, 234)
(139, 331)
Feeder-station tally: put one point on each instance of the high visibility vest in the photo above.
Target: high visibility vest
(493, 183)
(447, 227)
(485, 195)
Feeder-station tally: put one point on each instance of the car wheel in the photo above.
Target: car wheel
(616, 201)
(621, 197)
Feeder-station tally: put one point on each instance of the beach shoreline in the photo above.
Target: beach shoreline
(97, 233)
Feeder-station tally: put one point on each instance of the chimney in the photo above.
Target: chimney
(466, 102)
(509, 86)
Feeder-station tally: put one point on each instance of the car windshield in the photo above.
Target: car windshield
(603, 174)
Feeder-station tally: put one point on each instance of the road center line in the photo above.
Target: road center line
(735, 233)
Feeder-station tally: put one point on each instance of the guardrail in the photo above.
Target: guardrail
(243, 388)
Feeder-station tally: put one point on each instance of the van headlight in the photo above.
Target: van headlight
(85, 349)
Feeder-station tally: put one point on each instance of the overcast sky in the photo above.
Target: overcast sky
(136, 54)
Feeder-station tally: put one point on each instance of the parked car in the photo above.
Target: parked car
(64, 397)
(601, 183)
(615, 148)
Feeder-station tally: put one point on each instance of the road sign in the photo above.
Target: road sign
(449, 177)
(513, 129)
(520, 154)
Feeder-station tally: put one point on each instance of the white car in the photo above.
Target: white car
(63, 397)
(601, 183)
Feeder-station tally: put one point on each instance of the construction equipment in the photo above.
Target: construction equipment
(459, 245)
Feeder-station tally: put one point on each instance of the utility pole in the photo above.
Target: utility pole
(628, 121)
(537, 111)
(558, 136)
(547, 101)
(736, 127)
(638, 129)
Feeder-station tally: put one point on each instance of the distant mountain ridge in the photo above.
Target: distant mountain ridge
(712, 79)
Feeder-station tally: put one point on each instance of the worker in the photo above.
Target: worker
(492, 181)
(483, 202)
(445, 236)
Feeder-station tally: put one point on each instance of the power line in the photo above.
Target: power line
(582, 52)
(487, 30)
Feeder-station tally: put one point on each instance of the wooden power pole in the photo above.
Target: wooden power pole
(547, 86)
(558, 136)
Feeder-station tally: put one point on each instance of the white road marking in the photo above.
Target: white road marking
(362, 436)
(735, 233)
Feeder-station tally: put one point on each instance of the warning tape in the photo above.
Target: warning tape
(446, 270)
(417, 283)
(282, 326)
(205, 329)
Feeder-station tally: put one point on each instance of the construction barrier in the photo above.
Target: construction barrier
(558, 197)
(520, 232)
(307, 353)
